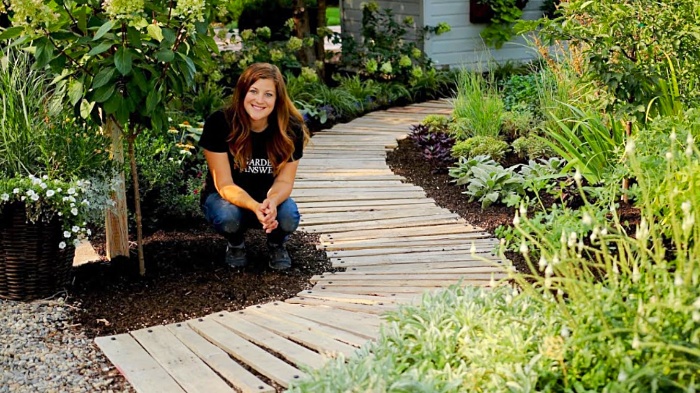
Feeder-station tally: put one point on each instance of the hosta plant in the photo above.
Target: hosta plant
(490, 185)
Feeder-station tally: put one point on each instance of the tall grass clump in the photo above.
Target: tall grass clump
(478, 104)
(23, 93)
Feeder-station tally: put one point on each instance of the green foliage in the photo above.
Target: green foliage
(531, 147)
(462, 172)
(625, 56)
(320, 102)
(478, 103)
(520, 91)
(124, 59)
(436, 123)
(593, 144)
(490, 184)
(385, 53)
(517, 123)
(365, 91)
(36, 136)
(481, 145)
(500, 29)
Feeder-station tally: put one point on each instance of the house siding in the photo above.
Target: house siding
(462, 46)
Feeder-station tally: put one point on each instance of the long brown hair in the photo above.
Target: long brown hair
(281, 147)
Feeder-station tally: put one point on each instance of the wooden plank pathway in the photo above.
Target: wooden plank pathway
(394, 243)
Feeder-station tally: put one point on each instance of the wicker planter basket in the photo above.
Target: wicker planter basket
(31, 264)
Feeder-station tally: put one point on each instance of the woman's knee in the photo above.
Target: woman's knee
(223, 216)
(288, 216)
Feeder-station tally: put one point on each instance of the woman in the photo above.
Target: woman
(253, 150)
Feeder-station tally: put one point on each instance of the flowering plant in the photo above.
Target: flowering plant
(76, 203)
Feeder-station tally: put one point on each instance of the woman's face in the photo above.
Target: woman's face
(259, 102)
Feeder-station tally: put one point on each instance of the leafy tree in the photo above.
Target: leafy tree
(117, 61)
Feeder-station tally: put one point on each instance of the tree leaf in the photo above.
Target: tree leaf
(102, 47)
(122, 60)
(11, 32)
(103, 93)
(165, 55)
(85, 108)
(44, 53)
(104, 29)
(102, 77)
(75, 91)
(155, 32)
(152, 100)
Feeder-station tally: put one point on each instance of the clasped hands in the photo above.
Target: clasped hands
(267, 215)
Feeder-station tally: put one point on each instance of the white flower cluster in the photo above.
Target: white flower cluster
(76, 202)
(32, 12)
(190, 9)
(122, 9)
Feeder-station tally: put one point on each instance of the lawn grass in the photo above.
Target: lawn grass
(333, 16)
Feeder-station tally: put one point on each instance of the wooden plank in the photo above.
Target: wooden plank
(331, 247)
(378, 309)
(286, 328)
(435, 219)
(482, 246)
(219, 361)
(315, 184)
(447, 256)
(289, 350)
(138, 367)
(369, 196)
(347, 176)
(381, 278)
(426, 268)
(353, 216)
(359, 323)
(367, 206)
(271, 310)
(378, 241)
(407, 282)
(333, 192)
(376, 291)
(356, 298)
(250, 354)
(183, 365)
(364, 204)
(404, 232)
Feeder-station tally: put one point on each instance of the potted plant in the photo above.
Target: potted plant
(483, 11)
(45, 200)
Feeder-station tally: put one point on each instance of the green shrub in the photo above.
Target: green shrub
(520, 91)
(459, 128)
(516, 123)
(531, 147)
(481, 145)
(436, 123)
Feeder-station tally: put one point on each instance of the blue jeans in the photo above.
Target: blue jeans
(231, 221)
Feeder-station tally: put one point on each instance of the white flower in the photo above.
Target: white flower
(543, 262)
(669, 156)
(74, 211)
(516, 219)
(604, 231)
(696, 304)
(572, 239)
(23, 198)
(696, 316)
(685, 206)
(75, 229)
(35, 197)
(577, 176)
(59, 214)
(565, 332)
(587, 220)
(622, 376)
(678, 281)
(548, 271)
(88, 231)
(15, 191)
(673, 135)
(66, 234)
(76, 242)
(689, 139)
(62, 245)
(71, 191)
(45, 177)
(5, 197)
(522, 209)
(635, 342)
(689, 151)
(59, 189)
(50, 193)
(35, 181)
(43, 185)
(523, 247)
(555, 260)
(629, 148)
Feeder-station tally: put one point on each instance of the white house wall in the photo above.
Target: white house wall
(351, 14)
(462, 46)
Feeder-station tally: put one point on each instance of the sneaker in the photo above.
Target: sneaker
(235, 255)
(279, 257)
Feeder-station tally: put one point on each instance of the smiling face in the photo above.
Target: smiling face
(259, 103)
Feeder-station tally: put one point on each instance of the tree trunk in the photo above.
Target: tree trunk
(116, 225)
(320, 46)
(302, 29)
(137, 205)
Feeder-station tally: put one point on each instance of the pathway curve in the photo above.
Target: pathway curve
(392, 240)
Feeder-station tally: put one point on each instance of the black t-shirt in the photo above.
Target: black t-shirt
(258, 176)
